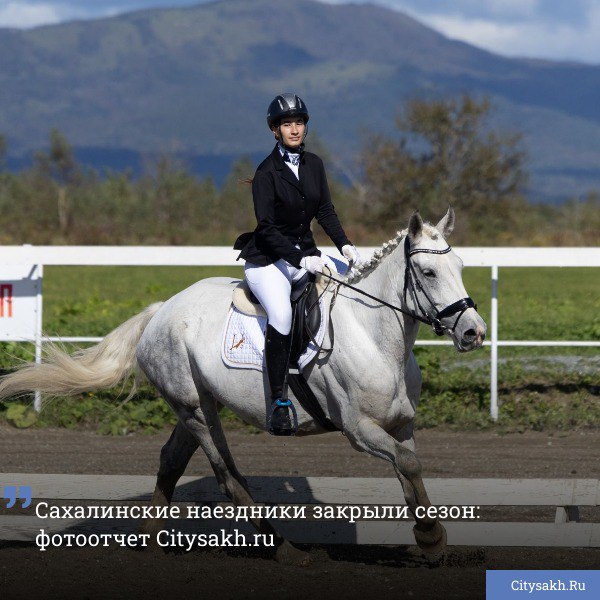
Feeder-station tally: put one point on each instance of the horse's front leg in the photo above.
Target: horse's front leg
(430, 534)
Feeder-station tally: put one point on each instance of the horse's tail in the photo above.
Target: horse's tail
(101, 366)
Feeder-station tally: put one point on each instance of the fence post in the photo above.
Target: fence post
(37, 403)
(494, 353)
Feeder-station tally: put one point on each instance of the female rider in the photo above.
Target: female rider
(289, 189)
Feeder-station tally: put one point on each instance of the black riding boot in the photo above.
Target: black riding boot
(277, 350)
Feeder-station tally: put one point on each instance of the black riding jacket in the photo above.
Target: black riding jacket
(284, 208)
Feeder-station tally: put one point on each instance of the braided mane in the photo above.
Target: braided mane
(366, 267)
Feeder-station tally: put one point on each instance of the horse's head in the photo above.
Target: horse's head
(433, 285)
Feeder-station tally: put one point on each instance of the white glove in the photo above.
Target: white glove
(351, 253)
(313, 264)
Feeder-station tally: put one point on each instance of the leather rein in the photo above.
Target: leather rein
(413, 285)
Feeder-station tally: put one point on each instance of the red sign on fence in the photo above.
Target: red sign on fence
(6, 300)
(20, 302)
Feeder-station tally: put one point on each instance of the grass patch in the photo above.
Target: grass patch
(539, 388)
(546, 390)
(91, 301)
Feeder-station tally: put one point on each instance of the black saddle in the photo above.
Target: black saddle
(306, 314)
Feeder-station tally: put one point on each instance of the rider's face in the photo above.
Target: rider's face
(292, 131)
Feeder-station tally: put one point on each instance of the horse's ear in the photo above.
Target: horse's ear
(446, 224)
(415, 226)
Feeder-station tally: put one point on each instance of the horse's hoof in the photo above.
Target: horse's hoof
(286, 554)
(151, 527)
(432, 542)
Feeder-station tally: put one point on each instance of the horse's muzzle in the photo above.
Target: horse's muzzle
(473, 338)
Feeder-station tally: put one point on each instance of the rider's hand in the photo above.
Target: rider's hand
(313, 264)
(350, 252)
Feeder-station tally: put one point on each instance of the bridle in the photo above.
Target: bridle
(413, 285)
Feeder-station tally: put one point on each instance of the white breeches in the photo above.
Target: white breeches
(272, 286)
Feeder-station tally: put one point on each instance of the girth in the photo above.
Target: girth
(309, 402)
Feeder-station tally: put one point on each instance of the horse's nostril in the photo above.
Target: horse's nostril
(482, 337)
(469, 334)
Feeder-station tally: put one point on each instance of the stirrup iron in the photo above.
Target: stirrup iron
(279, 422)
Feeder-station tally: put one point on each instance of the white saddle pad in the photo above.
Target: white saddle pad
(244, 340)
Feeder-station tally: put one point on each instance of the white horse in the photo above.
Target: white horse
(369, 384)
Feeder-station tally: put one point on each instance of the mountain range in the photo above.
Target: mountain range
(196, 82)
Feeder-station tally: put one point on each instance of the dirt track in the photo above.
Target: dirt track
(347, 572)
(442, 453)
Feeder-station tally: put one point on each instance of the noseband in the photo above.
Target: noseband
(412, 284)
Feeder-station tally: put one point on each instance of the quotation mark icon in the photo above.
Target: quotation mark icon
(10, 494)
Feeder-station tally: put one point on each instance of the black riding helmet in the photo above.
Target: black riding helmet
(286, 105)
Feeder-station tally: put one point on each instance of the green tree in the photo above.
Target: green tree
(235, 210)
(170, 203)
(59, 166)
(445, 154)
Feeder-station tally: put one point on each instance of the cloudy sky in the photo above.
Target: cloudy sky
(555, 29)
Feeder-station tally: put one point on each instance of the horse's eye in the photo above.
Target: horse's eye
(428, 273)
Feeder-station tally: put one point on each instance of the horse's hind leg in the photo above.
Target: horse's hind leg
(174, 458)
(205, 425)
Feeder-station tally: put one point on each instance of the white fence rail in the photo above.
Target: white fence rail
(565, 495)
(491, 257)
